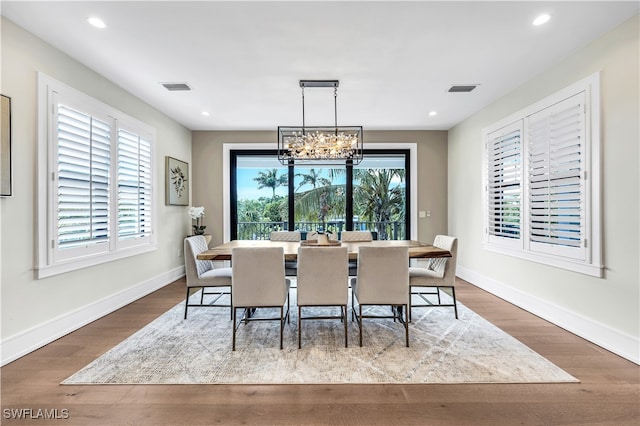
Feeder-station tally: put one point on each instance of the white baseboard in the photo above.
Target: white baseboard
(34, 338)
(620, 343)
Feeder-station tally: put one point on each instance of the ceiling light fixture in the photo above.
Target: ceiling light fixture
(96, 22)
(433, 113)
(206, 113)
(462, 88)
(320, 144)
(541, 19)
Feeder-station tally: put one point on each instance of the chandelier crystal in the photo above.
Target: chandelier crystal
(318, 144)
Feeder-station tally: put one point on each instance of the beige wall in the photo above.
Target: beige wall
(608, 307)
(32, 306)
(432, 173)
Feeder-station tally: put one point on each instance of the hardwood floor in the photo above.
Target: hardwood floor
(607, 395)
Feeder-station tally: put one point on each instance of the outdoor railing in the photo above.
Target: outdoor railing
(262, 230)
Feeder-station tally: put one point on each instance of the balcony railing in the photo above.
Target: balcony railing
(262, 230)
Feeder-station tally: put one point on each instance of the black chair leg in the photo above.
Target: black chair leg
(299, 327)
(186, 304)
(344, 316)
(360, 322)
(233, 339)
(281, 325)
(406, 324)
(455, 304)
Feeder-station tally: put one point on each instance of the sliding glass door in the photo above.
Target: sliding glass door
(259, 193)
(267, 196)
(380, 197)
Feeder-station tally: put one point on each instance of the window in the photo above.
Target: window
(267, 196)
(134, 187)
(504, 191)
(95, 182)
(556, 179)
(542, 181)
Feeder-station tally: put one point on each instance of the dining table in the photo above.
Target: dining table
(417, 249)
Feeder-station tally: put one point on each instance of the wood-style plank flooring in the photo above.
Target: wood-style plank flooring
(607, 395)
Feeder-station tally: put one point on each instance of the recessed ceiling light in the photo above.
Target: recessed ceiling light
(433, 113)
(206, 113)
(96, 22)
(541, 19)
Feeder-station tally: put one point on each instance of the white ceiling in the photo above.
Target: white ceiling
(395, 60)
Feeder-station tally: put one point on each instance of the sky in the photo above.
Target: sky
(248, 188)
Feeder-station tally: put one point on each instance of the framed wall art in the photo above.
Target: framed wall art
(177, 182)
(6, 184)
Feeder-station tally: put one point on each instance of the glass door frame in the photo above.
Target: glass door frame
(410, 149)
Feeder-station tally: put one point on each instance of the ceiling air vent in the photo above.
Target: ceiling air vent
(462, 88)
(176, 87)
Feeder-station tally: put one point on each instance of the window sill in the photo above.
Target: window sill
(45, 271)
(591, 269)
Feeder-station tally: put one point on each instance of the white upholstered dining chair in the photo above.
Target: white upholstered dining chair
(323, 281)
(290, 266)
(439, 273)
(203, 275)
(285, 236)
(355, 236)
(258, 281)
(382, 279)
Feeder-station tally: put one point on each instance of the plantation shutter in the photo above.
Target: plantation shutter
(134, 186)
(83, 160)
(504, 169)
(556, 189)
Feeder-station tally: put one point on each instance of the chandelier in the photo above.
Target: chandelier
(320, 144)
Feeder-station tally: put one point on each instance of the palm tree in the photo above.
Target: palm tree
(249, 213)
(319, 204)
(312, 178)
(270, 179)
(377, 199)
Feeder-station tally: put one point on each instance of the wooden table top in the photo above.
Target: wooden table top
(417, 249)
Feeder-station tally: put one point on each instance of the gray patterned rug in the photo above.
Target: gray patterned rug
(171, 350)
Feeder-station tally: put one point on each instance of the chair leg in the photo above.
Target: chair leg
(455, 305)
(233, 339)
(344, 316)
(409, 308)
(353, 304)
(406, 324)
(360, 322)
(288, 307)
(281, 325)
(186, 304)
(299, 327)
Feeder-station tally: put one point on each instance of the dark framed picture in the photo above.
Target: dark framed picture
(177, 182)
(6, 184)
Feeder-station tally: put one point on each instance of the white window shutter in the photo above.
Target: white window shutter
(134, 186)
(556, 189)
(95, 182)
(504, 192)
(83, 159)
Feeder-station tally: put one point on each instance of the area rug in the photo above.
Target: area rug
(172, 350)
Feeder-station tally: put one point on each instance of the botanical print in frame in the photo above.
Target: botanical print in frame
(177, 184)
(5, 147)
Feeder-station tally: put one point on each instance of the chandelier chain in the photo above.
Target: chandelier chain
(303, 107)
(335, 107)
